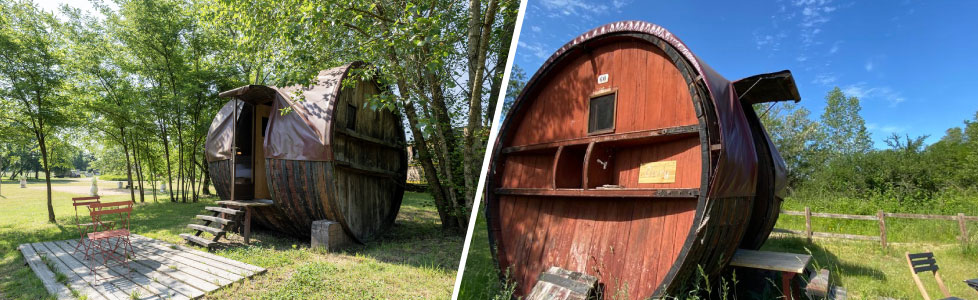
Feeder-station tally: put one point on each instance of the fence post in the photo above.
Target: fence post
(964, 229)
(881, 217)
(808, 223)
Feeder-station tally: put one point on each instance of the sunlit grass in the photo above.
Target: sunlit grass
(415, 260)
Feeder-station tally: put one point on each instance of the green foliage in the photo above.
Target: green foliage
(845, 130)
(832, 159)
(796, 137)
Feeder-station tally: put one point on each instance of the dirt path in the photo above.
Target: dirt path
(83, 186)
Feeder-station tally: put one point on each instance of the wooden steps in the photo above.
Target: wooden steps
(223, 210)
(211, 230)
(218, 218)
(214, 219)
(198, 240)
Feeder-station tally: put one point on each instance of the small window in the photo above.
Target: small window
(601, 114)
(351, 117)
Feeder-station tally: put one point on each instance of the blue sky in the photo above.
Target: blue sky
(913, 64)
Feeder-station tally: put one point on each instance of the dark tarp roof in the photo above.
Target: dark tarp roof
(303, 134)
(768, 87)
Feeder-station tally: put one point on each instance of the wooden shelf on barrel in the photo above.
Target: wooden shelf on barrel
(623, 192)
(593, 157)
(625, 138)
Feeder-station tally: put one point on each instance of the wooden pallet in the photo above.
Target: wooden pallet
(158, 270)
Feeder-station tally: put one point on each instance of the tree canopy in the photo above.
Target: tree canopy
(134, 84)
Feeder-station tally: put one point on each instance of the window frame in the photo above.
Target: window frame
(351, 116)
(614, 114)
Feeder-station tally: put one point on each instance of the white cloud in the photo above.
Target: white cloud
(864, 92)
(766, 42)
(835, 47)
(535, 28)
(824, 79)
(576, 8)
(801, 58)
(536, 49)
(618, 4)
(869, 66)
(885, 129)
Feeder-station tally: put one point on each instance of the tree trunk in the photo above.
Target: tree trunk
(139, 169)
(166, 153)
(207, 178)
(39, 133)
(478, 46)
(509, 25)
(125, 148)
(180, 178)
(445, 211)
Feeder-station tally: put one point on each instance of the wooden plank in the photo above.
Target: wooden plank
(845, 236)
(154, 289)
(920, 216)
(223, 210)
(78, 272)
(214, 219)
(808, 224)
(844, 216)
(643, 135)
(256, 269)
(247, 203)
(775, 261)
(369, 139)
(171, 273)
(157, 275)
(964, 229)
(188, 267)
(43, 273)
(223, 277)
(780, 230)
(199, 240)
(882, 220)
(203, 260)
(208, 229)
(793, 213)
(365, 169)
(629, 192)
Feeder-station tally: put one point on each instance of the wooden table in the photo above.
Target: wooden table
(789, 264)
(247, 205)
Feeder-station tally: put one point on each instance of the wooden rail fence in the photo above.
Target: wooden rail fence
(879, 217)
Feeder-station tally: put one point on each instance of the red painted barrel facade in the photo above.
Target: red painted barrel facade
(328, 156)
(627, 158)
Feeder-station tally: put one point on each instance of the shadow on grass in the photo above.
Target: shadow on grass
(822, 258)
(416, 239)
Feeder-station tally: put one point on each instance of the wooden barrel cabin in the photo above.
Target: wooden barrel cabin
(328, 156)
(627, 158)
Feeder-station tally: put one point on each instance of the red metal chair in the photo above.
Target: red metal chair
(84, 228)
(106, 241)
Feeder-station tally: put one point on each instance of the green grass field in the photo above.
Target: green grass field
(862, 267)
(416, 260)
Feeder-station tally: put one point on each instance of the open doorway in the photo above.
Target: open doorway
(250, 181)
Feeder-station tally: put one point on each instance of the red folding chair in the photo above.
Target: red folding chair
(84, 228)
(112, 245)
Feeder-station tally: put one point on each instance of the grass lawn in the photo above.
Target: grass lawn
(415, 260)
(862, 267)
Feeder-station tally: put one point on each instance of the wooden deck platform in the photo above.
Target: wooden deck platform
(160, 270)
